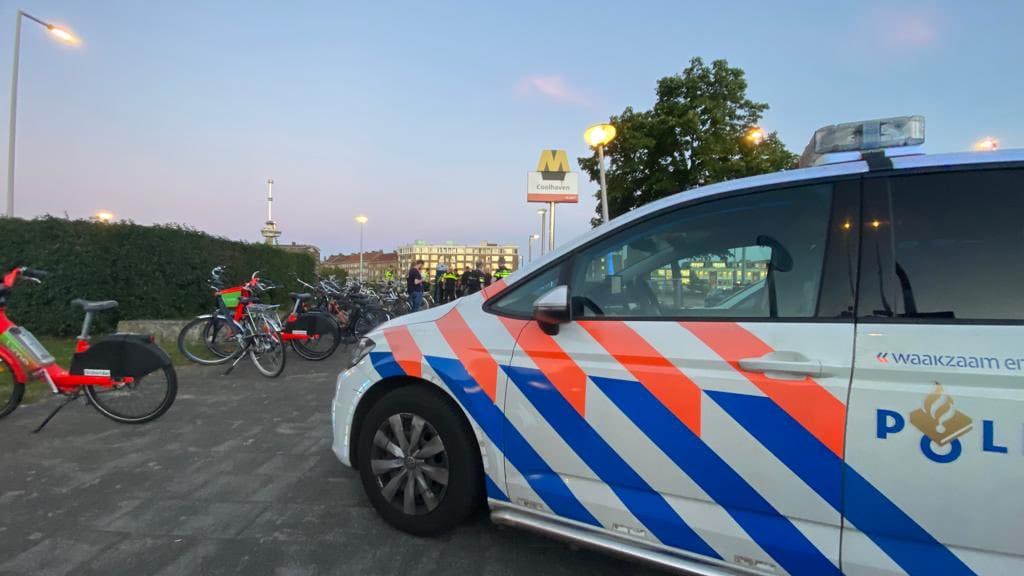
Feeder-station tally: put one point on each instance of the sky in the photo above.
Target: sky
(426, 116)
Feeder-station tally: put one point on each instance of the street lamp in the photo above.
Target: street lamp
(987, 144)
(756, 135)
(362, 224)
(103, 216)
(542, 212)
(598, 136)
(529, 244)
(62, 35)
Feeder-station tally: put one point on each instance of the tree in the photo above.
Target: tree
(696, 134)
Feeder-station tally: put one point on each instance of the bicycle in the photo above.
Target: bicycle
(126, 377)
(357, 311)
(239, 326)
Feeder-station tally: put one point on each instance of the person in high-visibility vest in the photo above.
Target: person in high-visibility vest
(502, 270)
(442, 267)
(449, 279)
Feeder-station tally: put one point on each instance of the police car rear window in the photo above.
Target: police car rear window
(957, 248)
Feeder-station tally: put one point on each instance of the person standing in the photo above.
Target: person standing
(464, 282)
(414, 285)
(442, 267)
(450, 279)
(474, 279)
(502, 270)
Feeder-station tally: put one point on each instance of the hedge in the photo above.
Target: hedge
(154, 272)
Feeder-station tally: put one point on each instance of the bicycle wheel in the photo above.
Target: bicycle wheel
(320, 346)
(267, 350)
(11, 390)
(209, 340)
(139, 401)
(369, 319)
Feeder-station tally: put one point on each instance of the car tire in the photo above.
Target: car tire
(446, 485)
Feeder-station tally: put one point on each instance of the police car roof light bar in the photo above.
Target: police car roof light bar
(864, 136)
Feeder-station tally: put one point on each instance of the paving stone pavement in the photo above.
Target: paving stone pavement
(237, 478)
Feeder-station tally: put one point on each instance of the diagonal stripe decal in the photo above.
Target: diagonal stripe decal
(405, 350)
(473, 355)
(544, 481)
(636, 494)
(385, 365)
(493, 492)
(493, 290)
(559, 369)
(821, 413)
(772, 531)
(891, 529)
(659, 376)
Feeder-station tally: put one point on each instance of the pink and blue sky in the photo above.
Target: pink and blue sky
(426, 116)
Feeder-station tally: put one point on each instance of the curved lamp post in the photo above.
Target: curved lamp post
(55, 31)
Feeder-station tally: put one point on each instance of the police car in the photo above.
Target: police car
(852, 405)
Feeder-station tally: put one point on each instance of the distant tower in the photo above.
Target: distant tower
(270, 231)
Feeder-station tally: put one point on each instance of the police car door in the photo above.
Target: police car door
(697, 398)
(935, 468)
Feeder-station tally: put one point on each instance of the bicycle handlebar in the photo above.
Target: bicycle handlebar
(34, 273)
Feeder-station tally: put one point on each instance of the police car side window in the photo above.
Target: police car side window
(721, 258)
(950, 250)
(520, 298)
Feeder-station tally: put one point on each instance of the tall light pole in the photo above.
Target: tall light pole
(362, 224)
(62, 35)
(598, 136)
(542, 212)
(529, 244)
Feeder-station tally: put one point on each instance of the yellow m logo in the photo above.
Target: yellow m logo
(553, 161)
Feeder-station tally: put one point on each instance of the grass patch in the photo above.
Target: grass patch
(63, 349)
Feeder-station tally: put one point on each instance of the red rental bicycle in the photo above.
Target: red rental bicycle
(126, 377)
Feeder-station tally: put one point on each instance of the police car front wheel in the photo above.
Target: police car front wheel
(418, 461)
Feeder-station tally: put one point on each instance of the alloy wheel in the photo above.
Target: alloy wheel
(410, 463)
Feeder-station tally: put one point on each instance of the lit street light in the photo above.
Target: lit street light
(62, 35)
(598, 136)
(362, 224)
(987, 144)
(103, 216)
(529, 244)
(756, 135)
(542, 212)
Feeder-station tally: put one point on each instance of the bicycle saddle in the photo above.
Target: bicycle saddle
(94, 306)
(301, 296)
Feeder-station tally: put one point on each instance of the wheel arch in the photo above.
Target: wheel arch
(383, 387)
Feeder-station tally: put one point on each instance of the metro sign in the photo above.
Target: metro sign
(553, 182)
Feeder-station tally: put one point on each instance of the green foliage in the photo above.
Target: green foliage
(154, 272)
(695, 135)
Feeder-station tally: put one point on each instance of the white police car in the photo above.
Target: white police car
(852, 405)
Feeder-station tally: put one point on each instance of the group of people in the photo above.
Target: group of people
(448, 284)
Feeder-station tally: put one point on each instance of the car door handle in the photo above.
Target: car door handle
(783, 365)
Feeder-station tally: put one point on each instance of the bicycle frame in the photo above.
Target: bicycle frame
(240, 310)
(60, 380)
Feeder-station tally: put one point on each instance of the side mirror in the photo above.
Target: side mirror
(552, 309)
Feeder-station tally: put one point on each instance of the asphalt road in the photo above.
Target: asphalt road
(237, 478)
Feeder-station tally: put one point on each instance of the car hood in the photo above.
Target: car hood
(428, 315)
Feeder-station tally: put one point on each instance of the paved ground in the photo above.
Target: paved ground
(237, 478)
